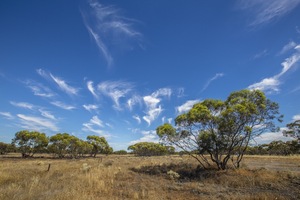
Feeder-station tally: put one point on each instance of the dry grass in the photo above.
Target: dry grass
(129, 177)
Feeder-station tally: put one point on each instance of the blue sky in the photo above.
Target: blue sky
(121, 68)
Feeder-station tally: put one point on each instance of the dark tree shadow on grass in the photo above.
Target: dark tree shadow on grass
(186, 171)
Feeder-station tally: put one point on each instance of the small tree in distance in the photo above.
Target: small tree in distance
(222, 129)
(293, 130)
(151, 149)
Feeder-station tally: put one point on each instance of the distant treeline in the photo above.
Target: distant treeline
(61, 145)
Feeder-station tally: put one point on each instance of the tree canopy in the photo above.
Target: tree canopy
(30, 142)
(151, 149)
(222, 129)
(293, 130)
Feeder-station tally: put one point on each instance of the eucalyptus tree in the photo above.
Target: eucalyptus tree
(99, 145)
(61, 144)
(293, 130)
(150, 149)
(30, 142)
(222, 129)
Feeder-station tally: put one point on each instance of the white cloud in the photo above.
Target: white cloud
(296, 117)
(90, 107)
(63, 105)
(148, 136)
(39, 89)
(7, 115)
(152, 103)
(91, 88)
(36, 123)
(60, 82)
(266, 11)
(186, 106)
(268, 137)
(261, 54)
(108, 28)
(23, 105)
(180, 92)
(152, 114)
(95, 125)
(115, 90)
(268, 85)
(43, 73)
(64, 86)
(164, 119)
(291, 45)
(137, 118)
(133, 101)
(47, 114)
(272, 84)
(218, 75)
(162, 92)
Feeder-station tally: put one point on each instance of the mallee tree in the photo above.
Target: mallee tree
(222, 129)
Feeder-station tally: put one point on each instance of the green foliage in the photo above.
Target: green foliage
(151, 149)
(99, 144)
(30, 142)
(6, 148)
(62, 144)
(120, 152)
(222, 129)
(293, 130)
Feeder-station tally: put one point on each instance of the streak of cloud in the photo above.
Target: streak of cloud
(107, 27)
(63, 105)
(7, 115)
(218, 75)
(36, 123)
(115, 90)
(271, 84)
(266, 11)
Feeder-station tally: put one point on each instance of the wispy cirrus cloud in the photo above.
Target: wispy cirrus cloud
(90, 107)
(186, 106)
(164, 119)
(95, 125)
(289, 46)
(23, 105)
(271, 84)
(35, 108)
(47, 114)
(137, 118)
(108, 27)
(39, 89)
(134, 100)
(218, 75)
(7, 115)
(115, 90)
(62, 84)
(63, 105)
(266, 11)
(148, 136)
(152, 104)
(260, 54)
(36, 123)
(91, 88)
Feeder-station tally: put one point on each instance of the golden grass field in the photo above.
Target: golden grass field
(130, 177)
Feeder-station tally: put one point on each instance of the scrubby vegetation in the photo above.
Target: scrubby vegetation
(161, 177)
